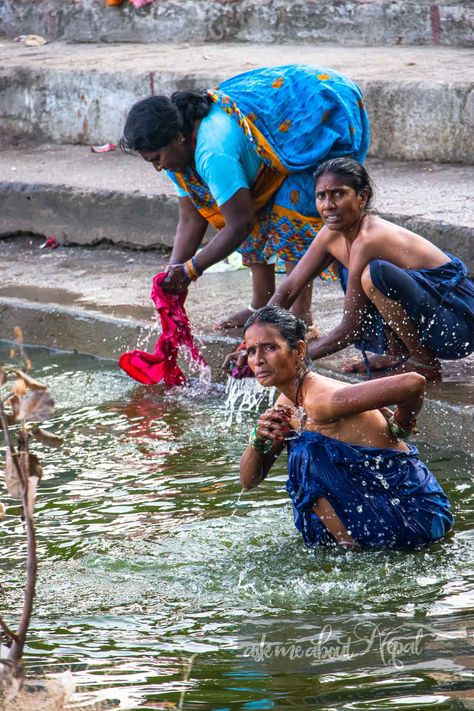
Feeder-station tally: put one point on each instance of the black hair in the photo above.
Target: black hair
(351, 172)
(153, 122)
(292, 328)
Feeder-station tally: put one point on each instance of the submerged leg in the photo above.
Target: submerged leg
(263, 285)
(326, 513)
(302, 304)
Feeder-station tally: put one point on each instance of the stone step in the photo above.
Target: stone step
(346, 22)
(96, 301)
(420, 99)
(86, 198)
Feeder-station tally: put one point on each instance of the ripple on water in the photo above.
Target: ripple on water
(151, 556)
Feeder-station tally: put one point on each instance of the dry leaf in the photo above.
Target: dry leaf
(28, 363)
(30, 465)
(47, 438)
(19, 387)
(36, 407)
(30, 382)
(18, 334)
(15, 405)
(12, 353)
(12, 477)
(34, 41)
(33, 482)
(3, 377)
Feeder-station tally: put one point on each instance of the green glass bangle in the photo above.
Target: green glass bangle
(263, 446)
(396, 431)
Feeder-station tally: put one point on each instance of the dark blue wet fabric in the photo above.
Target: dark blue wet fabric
(385, 498)
(439, 301)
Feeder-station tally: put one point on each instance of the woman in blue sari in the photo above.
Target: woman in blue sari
(352, 478)
(406, 301)
(242, 158)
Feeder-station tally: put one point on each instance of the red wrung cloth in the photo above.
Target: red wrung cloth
(175, 332)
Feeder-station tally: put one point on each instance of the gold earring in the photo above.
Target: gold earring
(182, 139)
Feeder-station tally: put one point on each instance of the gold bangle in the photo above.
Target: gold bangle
(191, 270)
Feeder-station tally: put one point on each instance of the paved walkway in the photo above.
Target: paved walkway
(85, 198)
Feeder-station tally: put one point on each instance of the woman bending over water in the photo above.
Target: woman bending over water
(242, 158)
(405, 298)
(352, 478)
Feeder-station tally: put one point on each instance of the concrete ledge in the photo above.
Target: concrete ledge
(443, 424)
(82, 93)
(88, 217)
(86, 198)
(380, 22)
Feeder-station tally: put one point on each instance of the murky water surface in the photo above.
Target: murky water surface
(163, 586)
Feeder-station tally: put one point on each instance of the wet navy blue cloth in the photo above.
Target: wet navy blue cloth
(385, 498)
(439, 301)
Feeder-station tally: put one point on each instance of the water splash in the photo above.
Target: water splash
(244, 396)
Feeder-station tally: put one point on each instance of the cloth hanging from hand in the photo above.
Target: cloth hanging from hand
(162, 365)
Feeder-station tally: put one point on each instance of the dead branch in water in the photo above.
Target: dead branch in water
(30, 403)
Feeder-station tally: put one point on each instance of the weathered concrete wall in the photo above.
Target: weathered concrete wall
(81, 94)
(348, 22)
(87, 216)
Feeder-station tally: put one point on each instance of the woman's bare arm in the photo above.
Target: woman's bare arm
(355, 306)
(406, 391)
(189, 232)
(239, 216)
(316, 259)
(272, 425)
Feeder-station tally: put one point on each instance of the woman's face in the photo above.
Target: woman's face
(177, 155)
(338, 204)
(269, 356)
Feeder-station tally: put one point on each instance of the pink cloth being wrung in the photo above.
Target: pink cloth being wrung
(163, 365)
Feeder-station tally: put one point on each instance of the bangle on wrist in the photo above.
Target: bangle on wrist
(185, 272)
(399, 431)
(263, 446)
(191, 270)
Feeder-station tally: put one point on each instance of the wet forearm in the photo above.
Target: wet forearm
(284, 296)
(335, 341)
(412, 386)
(254, 467)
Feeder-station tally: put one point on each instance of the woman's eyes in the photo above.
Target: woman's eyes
(335, 193)
(267, 347)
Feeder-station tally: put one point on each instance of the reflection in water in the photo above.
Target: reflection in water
(155, 565)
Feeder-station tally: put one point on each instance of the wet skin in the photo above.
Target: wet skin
(271, 359)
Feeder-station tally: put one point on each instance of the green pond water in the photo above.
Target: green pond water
(163, 586)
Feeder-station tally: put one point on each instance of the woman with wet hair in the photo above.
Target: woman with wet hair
(406, 301)
(242, 158)
(352, 478)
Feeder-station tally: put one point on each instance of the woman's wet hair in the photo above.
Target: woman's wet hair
(351, 173)
(153, 122)
(292, 328)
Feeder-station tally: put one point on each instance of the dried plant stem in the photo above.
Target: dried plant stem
(18, 639)
(7, 630)
(31, 574)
